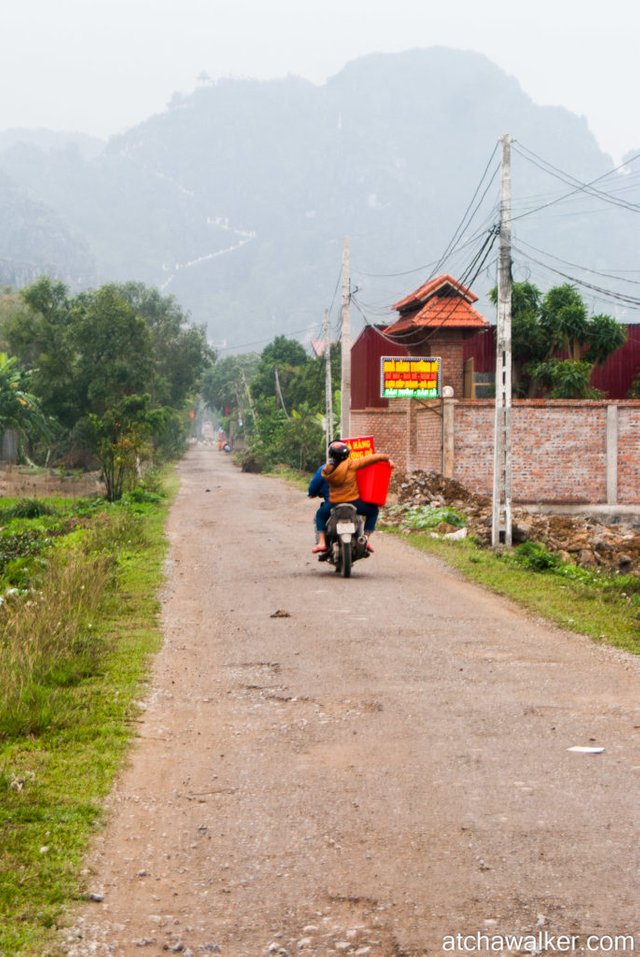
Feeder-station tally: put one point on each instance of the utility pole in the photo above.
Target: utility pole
(249, 398)
(502, 432)
(279, 391)
(345, 338)
(328, 397)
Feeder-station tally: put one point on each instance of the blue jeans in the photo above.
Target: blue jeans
(322, 515)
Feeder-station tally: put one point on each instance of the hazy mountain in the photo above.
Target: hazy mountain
(237, 197)
(35, 239)
(88, 146)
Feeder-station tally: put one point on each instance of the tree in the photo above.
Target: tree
(555, 343)
(179, 349)
(280, 363)
(113, 347)
(304, 436)
(19, 409)
(225, 386)
(121, 437)
(37, 329)
(92, 351)
(287, 388)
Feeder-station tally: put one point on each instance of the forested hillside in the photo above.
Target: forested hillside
(236, 198)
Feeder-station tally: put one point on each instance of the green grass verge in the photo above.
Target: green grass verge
(589, 604)
(52, 783)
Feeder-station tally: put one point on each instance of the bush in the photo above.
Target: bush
(26, 508)
(142, 496)
(536, 557)
(426, 516)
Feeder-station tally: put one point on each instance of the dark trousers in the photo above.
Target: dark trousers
(369, 511)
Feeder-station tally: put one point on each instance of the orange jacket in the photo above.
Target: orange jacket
(343, 484)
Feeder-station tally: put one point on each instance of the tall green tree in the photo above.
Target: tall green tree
(37, 328)
(91, 352)
(19, 408)
(287, 389)
(555, 343)
(179, 349)
(113, 347)
(280, 364)
(226, 387)
(122, 435)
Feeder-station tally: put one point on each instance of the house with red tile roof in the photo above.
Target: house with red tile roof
(442, 304)
(434, 320)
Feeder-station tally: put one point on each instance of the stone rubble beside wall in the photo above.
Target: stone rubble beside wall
(583, 540)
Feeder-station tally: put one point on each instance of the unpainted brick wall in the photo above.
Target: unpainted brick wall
(629, 453)
(388, 428)
(559, 448)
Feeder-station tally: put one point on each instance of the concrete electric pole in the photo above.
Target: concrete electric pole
(328, 393)
(501, 522)
(345, 339)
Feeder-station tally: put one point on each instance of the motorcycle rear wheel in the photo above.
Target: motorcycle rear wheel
(346, 559)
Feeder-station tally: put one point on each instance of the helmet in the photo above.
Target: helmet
(338, 452)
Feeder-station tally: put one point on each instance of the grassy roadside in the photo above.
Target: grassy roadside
(59, 754)
(605, 608)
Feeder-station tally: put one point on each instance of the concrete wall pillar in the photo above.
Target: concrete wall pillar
(448, 435)
(412, 436)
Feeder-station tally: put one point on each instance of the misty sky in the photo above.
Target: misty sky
(100, 66)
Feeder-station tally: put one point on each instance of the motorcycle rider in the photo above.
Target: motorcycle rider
(340, 474)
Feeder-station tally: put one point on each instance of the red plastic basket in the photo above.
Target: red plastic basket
(373, 482)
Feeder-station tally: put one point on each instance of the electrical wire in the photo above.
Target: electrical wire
(449, 304)
(459, 232)
(258, 342)
(582, 187)
(595, 272)
(619, 297)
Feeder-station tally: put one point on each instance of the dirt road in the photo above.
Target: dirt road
(375, 770)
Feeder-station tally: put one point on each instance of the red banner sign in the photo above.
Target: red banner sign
(361, 446)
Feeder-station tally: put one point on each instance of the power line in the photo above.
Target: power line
(619, 297)
(459, 232)
(595, 272)
(258, 342)
(449, 304)
(582, 187)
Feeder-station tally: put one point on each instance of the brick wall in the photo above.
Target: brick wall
(428, 447)
(449, 346)
(388, 428)
(559, 448)
(629, 453)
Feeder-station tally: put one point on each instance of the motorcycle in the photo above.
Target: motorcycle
(346, 541)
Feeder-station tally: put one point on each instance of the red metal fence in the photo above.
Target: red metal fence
(614, 378)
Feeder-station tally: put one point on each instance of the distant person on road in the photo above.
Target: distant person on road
(340, 474)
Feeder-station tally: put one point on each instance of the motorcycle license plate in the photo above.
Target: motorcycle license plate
(345, 528)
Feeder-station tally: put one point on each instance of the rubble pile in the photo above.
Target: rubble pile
(583, 540)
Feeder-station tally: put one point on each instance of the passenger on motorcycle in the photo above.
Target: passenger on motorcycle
(319, 488)
(340, 473)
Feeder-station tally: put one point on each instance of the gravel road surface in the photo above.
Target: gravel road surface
(365, 766)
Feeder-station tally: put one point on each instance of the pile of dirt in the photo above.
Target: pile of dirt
(583, 540)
